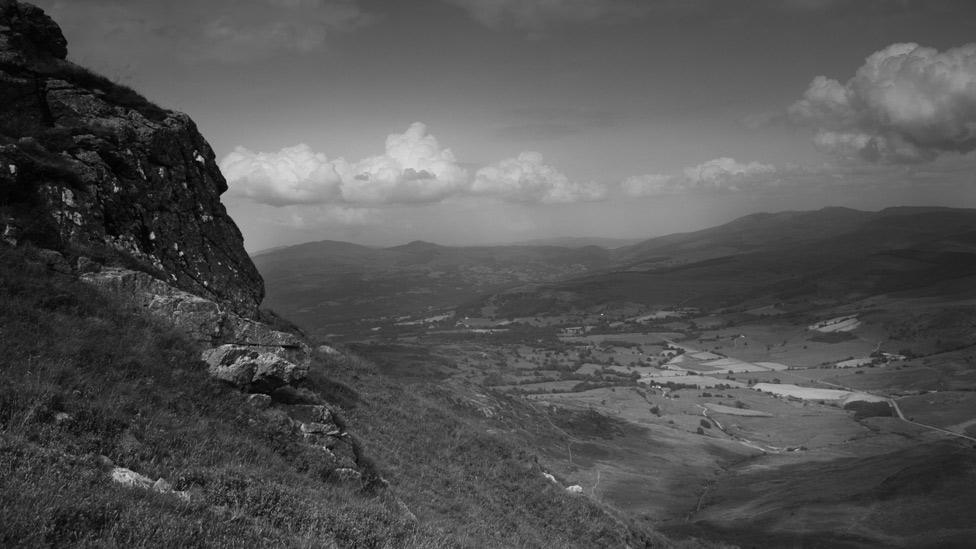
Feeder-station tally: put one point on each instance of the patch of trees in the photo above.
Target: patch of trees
(863, 409)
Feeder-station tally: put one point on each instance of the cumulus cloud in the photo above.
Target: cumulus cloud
(720, 174)
(907, 103)
(527, 178)
(413, 168)
(293, 175)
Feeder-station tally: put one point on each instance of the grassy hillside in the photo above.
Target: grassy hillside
(86, 378)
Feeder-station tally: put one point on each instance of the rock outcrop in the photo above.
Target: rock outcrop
(238, 350)
(106, 182)
(89, 167)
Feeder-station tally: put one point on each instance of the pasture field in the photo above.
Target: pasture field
(787, 344)
(725, 432)
(953, 410)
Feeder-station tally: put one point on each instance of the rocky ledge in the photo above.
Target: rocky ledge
(238, 350)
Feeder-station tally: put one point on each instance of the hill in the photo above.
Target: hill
(327, 287)
(834, 254)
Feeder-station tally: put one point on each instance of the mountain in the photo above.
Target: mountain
(833, 254)
(327, 286)
(580, 241)
(749, 233)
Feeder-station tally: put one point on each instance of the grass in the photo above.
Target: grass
(84, 376)
(113, 92)
(136, 392)
(480, 490)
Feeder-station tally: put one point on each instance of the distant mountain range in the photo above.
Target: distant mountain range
(324, 284)
(832, 254)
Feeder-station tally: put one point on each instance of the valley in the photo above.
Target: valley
(724, 388)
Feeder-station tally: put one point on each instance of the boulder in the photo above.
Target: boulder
(259, 371)
(259, 401)
(128, 477)
(313, 428)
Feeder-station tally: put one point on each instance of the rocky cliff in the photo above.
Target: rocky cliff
(90, 168)
(99, 185)
(126, 195)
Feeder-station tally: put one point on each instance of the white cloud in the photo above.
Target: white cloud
(907, 103)
(293, 175)
(725, 172)
(720, 174)
(414, 168)
(527, 178)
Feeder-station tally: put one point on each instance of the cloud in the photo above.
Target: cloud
(907, 103)
(720, 174)
(293, 175)
(413, 168)
(527, 178)
(536, 15)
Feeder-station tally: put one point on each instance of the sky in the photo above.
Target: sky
(492, 121)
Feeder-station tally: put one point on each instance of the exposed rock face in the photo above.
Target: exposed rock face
(89, 165)
(240, 351)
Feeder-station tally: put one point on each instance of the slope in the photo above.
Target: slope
(90, 381)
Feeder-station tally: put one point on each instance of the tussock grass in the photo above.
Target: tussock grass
(136, 392)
